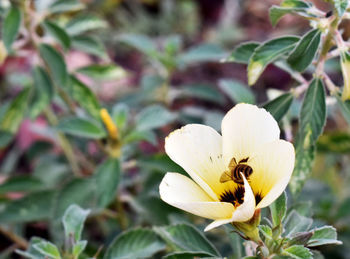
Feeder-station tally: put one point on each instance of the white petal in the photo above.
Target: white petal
(244, 128)
(272, 168)
(242, 213)
(198, 150)
(183, 193)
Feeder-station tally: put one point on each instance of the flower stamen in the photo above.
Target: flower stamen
(236, 197)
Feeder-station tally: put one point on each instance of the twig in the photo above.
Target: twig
(300, 89)
(64, 143)
(21, 242)
(329, 84)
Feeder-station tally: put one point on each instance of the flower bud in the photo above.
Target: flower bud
(250, 227)
(113, 146)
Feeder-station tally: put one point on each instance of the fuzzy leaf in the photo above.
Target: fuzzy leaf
(84, 23)
(279, 106)
(11, 25)
(267, 53)
(56, 64)
(237, 92)
(297, 252)
(325, 235)
(185, 237)
(85, 97)
(242, 53)
(278, 209)
(90, 45)
(58, 33)
(107, 177)
(44, 91)
(48, 249)
(136, 243)
(305, 51)
(81, 127)
(73, 222)
(153, 117)
(15, 112)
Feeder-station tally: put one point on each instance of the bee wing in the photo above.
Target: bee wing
(225, 177)
(232, 164)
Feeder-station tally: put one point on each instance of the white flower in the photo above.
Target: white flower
(250, 137)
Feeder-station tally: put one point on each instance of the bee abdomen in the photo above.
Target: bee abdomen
(242, 168)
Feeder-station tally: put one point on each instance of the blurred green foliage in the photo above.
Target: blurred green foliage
(157, 65)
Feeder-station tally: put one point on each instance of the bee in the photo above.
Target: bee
(235, 170)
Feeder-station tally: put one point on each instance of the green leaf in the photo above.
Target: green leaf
(159, 163)
(185, 237)
(48, 249)
(81, 127)
(66, 6)
(73, 222)
(341, 6)
(305, 51)
(236, 91)
(103, 72)
(297, 252)
(44, 91)
(107, 177)
(56, 64)
(120, 115)
(11, 25)
(140, 42)
(295, 223)
(84, 96)
(5, 138)
(21, 184)
(153, 117)
(312, 120)
(313, 113)
(202, 53)
(15, 112)
(58, 33)
(83, 23)
(136, 243)
(31, 252)
(140, 135)
(267, 53)
(90, 45)
(300, 238)
(186, 255)
(33, 207)
(279, 106)
(81, 192)
(325, 235)
(242, 53)
(266, 231)
(278, 209)
(303, 165)
(203, 92)
(288, 7)
(79, 247)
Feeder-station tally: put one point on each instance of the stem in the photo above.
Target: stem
(326, 46)
(64, 143)
(21, 242)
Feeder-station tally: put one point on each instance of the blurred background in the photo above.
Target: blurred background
(155, 65)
